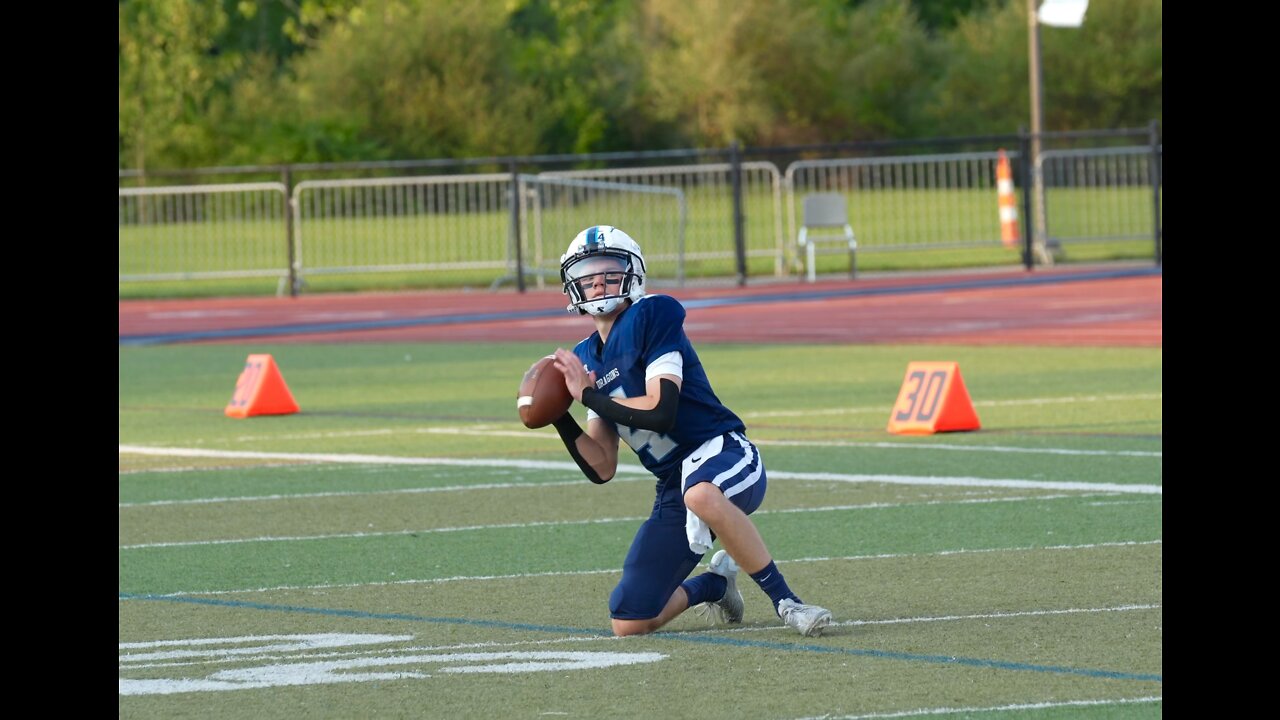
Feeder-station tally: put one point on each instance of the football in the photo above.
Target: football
(542, 397)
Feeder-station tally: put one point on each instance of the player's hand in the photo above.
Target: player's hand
(576, 376)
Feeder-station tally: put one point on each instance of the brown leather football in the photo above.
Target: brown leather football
(542, 397)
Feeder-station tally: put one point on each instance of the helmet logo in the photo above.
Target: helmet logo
(606, 257)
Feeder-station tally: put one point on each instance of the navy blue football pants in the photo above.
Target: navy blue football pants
(660, 559)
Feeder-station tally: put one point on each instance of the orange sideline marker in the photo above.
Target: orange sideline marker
(260, 390)
(933, 399)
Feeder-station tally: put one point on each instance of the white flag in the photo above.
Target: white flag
(1063, 13)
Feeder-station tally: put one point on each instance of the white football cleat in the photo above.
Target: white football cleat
(729, 607)
(808, 620)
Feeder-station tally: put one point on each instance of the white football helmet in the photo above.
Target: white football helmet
(602, 255)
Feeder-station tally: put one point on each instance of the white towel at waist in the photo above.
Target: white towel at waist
(698, 532)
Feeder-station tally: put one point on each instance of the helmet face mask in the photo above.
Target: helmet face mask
(602, 267)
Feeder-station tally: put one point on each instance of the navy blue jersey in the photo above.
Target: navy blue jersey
(644, 332)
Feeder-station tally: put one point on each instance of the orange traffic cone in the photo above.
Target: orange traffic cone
(933, 399)
(1007, 201)
(260, 390)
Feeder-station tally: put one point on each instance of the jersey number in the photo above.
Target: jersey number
(658, 446)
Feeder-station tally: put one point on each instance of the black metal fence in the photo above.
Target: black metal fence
(738, 207)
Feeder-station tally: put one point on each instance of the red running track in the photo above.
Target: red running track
(1076, 306)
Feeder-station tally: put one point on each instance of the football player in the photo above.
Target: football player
(642, 382)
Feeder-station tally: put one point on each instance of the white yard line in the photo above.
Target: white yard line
(950, 618)
(564, 523)
(540, 437)
(973, 482)
(360, 459)
(959, 448)
(366, 493)
(496, 430)
(132, 662)
(616, 571)
(994, 708)
(573, 468)
(337, 536)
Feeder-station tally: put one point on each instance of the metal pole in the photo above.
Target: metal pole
(289, 207)
(739, 237)
(1024, 161)
(1037, 127)
(515, 226)
(1156, 181)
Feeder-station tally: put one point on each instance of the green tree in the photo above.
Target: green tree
(259, 113)
(1107, 73)
(707, 64)
(787, 71)
(583, 62)
(205, 82)
(169, 67)
(941, 15)
(422, 79)
(281, 29)
(261, 120)
(887, 68)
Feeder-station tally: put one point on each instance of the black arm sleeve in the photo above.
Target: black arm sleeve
(569, 433)
(660, 419)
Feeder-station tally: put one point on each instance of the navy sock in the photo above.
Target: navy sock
(707, 587)
(771, 581)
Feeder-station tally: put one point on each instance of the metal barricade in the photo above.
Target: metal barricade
(198, 232)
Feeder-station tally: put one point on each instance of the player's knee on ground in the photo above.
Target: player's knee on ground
(623, 628)
(633, 600)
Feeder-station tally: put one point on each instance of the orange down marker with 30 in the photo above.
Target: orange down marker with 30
(933, 399)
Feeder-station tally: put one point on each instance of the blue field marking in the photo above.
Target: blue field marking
(913, 657)
(793, 296)
(678, 636)
(928, 287)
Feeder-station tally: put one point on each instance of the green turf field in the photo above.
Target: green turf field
(403, 547)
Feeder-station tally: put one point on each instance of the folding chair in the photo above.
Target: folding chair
(823, 211)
